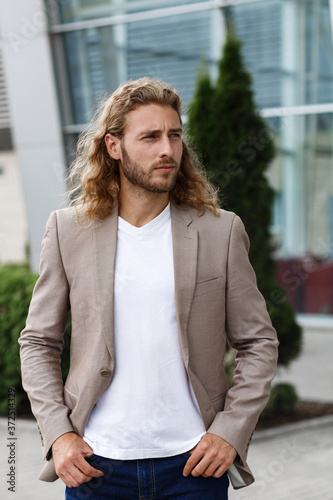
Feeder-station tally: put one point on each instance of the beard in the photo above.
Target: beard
(135, 174)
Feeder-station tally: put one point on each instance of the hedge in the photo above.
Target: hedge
(16, 286)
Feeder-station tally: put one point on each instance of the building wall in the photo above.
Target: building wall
(35, 120)
(13, 221)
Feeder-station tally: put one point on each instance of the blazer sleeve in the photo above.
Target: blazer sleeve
(41, 342)
(250, 332)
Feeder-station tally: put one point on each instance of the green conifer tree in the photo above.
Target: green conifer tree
(236, 148)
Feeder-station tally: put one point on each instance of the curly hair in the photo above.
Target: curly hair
(94, 181)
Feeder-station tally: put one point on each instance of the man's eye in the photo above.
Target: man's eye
(177, 136)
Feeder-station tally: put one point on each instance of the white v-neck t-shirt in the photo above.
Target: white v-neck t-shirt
(149, 410)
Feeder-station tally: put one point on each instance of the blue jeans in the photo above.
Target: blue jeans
(148, 479)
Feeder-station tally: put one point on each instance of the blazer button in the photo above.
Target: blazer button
(105, 372)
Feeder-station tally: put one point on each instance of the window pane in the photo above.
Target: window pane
(318, 168)
(82, 10)
(318, 48)
(259, 26)
(288, 49)
(171, 48)
(93, 62)
(302, 175)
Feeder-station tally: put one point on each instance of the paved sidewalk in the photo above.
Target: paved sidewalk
(293, 462)
(28, 465)
(312, 372)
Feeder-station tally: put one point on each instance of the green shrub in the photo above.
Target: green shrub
(282, 400)
(237, 148)
(16, 286)
(229, 363)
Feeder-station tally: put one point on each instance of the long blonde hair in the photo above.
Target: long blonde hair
(94, 181)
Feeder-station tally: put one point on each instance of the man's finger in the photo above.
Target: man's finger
(69, 480)
(75, 473)
(211, 469)
(192, 462)
(220, 471)
(73, 476)
(202, 466)
(87, 469)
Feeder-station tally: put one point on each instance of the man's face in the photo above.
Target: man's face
(151, 148)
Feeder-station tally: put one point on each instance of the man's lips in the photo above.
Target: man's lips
(165, 168)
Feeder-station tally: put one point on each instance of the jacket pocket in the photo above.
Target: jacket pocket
(208, 286)
(70, 398)
(218, 402)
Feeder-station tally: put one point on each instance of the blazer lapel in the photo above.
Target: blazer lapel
(185, 249)
(105, 246)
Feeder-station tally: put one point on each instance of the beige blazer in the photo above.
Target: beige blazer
(216, 299)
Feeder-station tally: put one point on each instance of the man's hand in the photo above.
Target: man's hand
(68, 453)
(212, 456)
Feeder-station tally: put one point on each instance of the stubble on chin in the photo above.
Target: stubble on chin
(143, 182)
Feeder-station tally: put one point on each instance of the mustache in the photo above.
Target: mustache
(166, 161)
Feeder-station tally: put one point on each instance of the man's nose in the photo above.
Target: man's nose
(166, 148)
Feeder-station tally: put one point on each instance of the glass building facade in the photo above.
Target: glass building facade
(287, 47)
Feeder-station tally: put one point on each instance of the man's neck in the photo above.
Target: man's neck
(139, 210)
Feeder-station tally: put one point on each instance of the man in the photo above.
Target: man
(157, 278)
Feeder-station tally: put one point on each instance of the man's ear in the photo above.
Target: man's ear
(113, 146)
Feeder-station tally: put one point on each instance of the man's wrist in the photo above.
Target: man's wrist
(62, 437)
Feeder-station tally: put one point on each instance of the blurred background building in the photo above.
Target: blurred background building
(59, 57)
(13, 224)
